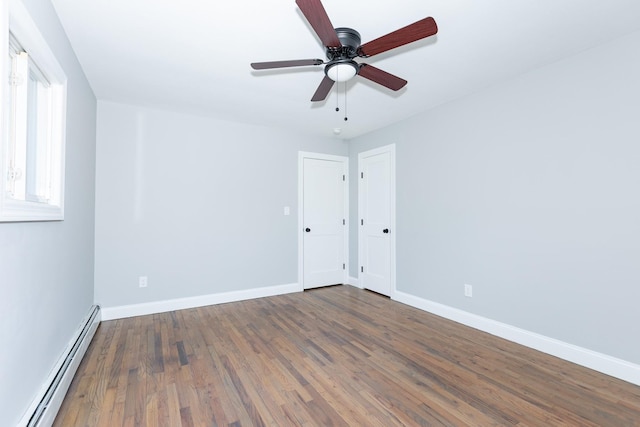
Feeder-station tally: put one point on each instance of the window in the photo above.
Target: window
(34, 106)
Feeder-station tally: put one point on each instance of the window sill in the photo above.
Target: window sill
(21, 211)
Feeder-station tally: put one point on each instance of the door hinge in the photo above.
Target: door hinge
(361, 175)
(362, 222)
(361, 269)
(344, 222)
(344, 178)
(344, 266)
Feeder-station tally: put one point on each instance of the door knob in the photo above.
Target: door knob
(307, 229)
(385, 231)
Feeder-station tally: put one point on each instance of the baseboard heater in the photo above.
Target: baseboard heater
(43, 410)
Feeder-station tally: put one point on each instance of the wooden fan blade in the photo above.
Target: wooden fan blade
(323, 90)
(383, 78)
(418, 30)
(284, 64)
(320, 22)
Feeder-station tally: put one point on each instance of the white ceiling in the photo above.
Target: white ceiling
(194, 55)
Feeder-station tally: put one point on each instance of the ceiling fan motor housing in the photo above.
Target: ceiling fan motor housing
(341, 66)
(350, 40)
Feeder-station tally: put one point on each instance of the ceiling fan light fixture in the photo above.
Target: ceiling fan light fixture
(342, 71)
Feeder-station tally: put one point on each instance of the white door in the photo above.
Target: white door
(323, 220)
(376, 211)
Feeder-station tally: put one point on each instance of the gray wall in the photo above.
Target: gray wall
(46, 268)
(194, 203)
(529, 191)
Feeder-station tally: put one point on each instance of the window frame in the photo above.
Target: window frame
(47, 202)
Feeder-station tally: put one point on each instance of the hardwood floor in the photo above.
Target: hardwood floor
(332, 356)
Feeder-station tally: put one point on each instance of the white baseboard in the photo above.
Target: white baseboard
(120, 312)
(354, 281)
(609, 365)
(45, 406)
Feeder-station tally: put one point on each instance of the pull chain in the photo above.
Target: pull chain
(345, 101)
(338, 99)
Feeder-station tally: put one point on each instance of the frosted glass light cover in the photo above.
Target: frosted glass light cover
(341, 72)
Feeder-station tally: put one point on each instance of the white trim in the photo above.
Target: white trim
(50, 412)
(27, 33)
(345, 163)
(354, 281)
(391, 149)
(609, 365)
(122, 311)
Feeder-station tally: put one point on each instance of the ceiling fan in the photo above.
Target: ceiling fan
(342, 45)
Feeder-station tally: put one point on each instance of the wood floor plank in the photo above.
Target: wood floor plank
(331, 356)
(152, 416)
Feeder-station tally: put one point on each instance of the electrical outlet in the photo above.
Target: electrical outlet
(468, 291)
(142, 281)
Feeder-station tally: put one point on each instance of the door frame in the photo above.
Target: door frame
(391, 149)
(345, 163)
